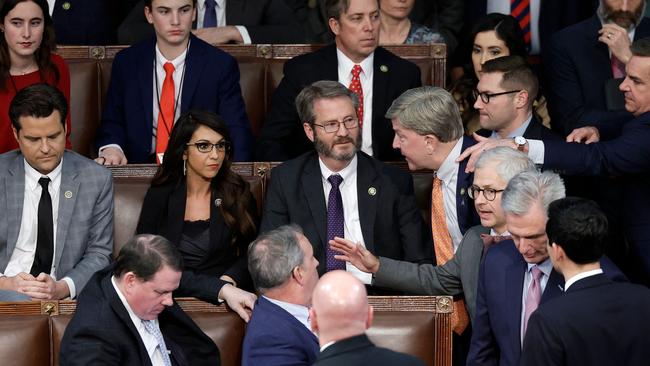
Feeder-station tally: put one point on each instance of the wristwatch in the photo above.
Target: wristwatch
(521, 142)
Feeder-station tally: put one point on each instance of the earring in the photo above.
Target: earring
(184, 167)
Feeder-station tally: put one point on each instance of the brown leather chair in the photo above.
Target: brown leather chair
(25, 340)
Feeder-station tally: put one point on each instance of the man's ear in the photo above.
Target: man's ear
(309, 131)
(370, 317)
(334, 26)
(13, 129)
(148, 15)
(521, 99)
(313, 320)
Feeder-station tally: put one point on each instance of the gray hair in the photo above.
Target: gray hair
(273, 255)
(529, 187)
(324, 89)
(641, 47)
(428, 110)
(509, 162)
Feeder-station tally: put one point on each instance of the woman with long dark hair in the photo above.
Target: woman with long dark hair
(26, 58)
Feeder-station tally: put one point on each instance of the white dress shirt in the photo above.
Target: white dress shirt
(351, 220)
(581, 276)
(503, 7)
(300, 312)
(448, 174)
(345, 66)
(546, 267)
(150, 342)
(24, 252)
(220, 10)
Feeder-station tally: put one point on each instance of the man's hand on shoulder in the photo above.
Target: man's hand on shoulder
(585, 135)
(242, 302)
(111, 156)
(483, 144)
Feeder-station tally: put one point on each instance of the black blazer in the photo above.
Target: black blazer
(163, 212)
(596, 322)
(85, 22)
(267, 21)
(359, 350)
(101, 332)
(390, 220)
(282, 136)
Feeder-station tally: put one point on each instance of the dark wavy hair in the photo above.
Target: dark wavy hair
(43, 52)
(507, 29)
(229, 186)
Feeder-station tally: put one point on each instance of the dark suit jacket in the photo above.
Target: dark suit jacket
(84, 22)
(496, 336)
(596, 322)
(163, 213)
(282, 136)
(267, 21)
(467, 216)
(359, 350)
(211, 83)
(390, 220)
(627, 157)
(275, 337)
(101, 332)
(577, 66)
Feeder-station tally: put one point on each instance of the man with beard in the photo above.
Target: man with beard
(339, 191)
(581, 62)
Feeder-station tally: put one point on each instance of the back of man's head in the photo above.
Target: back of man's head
(39, 101)
(530, 187)
(578, 226)
(516, 75)
(339, 307)
(146, 254)
(509, 162)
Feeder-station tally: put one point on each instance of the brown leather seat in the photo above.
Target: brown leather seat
(397, 331)
(25, 340)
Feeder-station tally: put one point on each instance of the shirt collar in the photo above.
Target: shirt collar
(32, 175)
(345, 173)
(494, 233)
(546, 266)
(177, 62)
(449, 167)
(581, 276)
(299, 312)
(346, 64)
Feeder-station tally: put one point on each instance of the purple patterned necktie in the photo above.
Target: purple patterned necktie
(334, 221)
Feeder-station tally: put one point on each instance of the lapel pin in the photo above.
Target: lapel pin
(462, 191)
(66, 5)
(383, 68)
(372, 191)
(217, 202)
(68, 194)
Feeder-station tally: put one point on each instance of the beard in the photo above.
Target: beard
(624, 18)
(328, 151)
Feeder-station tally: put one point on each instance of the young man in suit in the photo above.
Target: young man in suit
(57, 206)
(375, 74)
(127, 316)
(283, 268)
(338, 190)
(596, 321)
(155, 81)
(340, 315)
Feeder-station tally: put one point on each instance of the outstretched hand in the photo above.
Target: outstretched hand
(483, 143)
(356, 254)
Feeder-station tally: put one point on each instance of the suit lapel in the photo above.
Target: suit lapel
(194, 65)
(367, 178)
(312, 187)
(145, 66)
(554, 287)
(379, 88)
(601, 60)
(176, 213)
(15, 195)
(463, 201)
(514, 291)
(68, 193)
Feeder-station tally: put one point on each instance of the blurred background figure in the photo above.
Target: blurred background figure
(397, 28)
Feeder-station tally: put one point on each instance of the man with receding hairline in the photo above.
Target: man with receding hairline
(340, 315)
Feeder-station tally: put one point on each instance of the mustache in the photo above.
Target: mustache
(343, 140)
(624, 18)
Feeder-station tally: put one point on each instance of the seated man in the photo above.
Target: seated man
(127, 315)
(340, 191)
(283, 268)
(57, 206)
(596, 321)
(155, 81)
(376, 75)
(340, 315)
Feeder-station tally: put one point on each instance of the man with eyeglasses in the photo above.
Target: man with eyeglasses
(339, 191)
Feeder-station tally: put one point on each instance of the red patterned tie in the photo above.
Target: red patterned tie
(618, 68)
(355, 86)
(520, 10)
(166, 113)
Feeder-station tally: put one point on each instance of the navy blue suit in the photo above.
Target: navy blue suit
(211, 83)
(85, 22)
(577, 66)
(275, 337)
(596, 322)
(496, 337)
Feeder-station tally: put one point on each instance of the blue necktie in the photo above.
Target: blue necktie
(151, 327)
(210, 15)
(335, 219)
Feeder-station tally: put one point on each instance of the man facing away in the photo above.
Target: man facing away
(340, 315)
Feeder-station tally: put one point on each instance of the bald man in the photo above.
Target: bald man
(340, 315)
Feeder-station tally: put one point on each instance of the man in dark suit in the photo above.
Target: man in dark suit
(201, 77)
(226, 21)
(381, 77)
(284, 271)
(578, 65)
(127, 316)
(57, 207)
(340, 315)
(596, 321)
(377, 206)
(83, 22)
(515, 278)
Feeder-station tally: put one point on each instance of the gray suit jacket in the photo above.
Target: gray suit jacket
(458, 276)
(84, 235)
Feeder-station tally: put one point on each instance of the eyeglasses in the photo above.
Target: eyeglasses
(206, 147)
(333, 126)
(485, 96)
(489, 193)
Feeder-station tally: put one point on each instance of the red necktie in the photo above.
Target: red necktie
(520, 10)
(166, 113)
(618, 68)
(355, 86)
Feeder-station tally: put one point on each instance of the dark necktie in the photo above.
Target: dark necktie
(335, 219)
(45, 237)
(520, 10)
(210, 15)
(489, 240)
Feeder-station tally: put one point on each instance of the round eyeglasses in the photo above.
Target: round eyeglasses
(334, 126)
(489, 193)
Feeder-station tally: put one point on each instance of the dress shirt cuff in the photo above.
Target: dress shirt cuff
(99, 152)
(73, 290)
(244, 34)
(536, 151)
